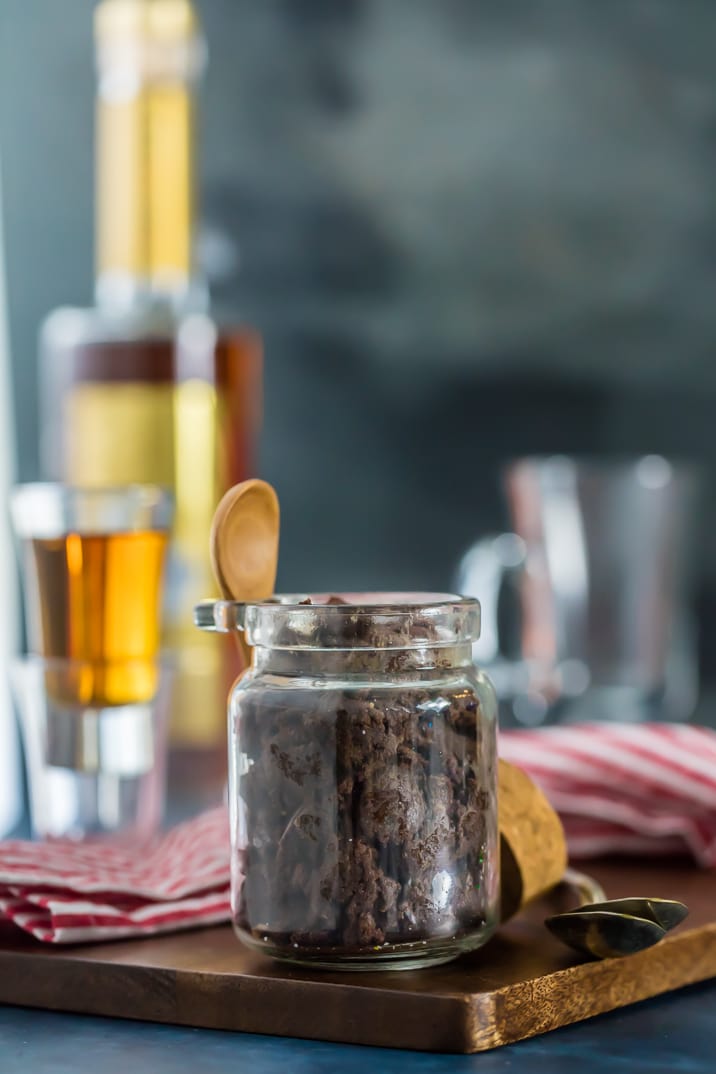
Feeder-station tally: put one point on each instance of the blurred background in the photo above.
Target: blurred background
(466, 231)
(452, 234)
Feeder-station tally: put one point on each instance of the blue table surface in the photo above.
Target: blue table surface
(673, 1034)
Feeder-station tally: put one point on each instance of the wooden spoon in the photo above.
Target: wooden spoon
(244, 546)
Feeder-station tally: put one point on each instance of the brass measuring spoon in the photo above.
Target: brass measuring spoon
(612, 928)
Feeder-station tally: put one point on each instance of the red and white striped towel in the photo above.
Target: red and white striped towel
(63, 892)
(638, 789)
(626, 789)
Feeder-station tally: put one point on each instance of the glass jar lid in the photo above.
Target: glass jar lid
(347, 621)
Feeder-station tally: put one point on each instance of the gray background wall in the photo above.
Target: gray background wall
(467, 231)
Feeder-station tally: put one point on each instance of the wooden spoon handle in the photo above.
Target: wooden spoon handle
(244, 651)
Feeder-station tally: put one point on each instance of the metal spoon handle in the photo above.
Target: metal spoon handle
(588, 889)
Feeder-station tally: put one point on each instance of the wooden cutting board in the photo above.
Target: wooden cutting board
(521, 984)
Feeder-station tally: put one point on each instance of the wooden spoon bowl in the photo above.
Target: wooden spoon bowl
(243, 545)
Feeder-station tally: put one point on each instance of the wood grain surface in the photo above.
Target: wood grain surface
(521, 984)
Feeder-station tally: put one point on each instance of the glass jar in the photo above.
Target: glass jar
(362, 780)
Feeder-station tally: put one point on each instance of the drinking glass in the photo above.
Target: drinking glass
(586, 603)
(92, 693)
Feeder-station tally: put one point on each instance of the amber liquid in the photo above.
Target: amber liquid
(97, 599)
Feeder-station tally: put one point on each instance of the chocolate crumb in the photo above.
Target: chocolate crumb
(366, 811)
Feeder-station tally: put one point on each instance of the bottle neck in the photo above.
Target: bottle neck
(149, 56)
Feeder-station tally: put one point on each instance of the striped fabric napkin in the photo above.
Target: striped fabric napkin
(636, 789)
(647, 789)
(63, 892)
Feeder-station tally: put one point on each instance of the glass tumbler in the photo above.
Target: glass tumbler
(594, 590)
(92, 693)
(361, 780)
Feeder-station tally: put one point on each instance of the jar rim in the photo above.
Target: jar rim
(346, 620)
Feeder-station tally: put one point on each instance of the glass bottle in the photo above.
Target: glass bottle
(361, 780)
(146, 387)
